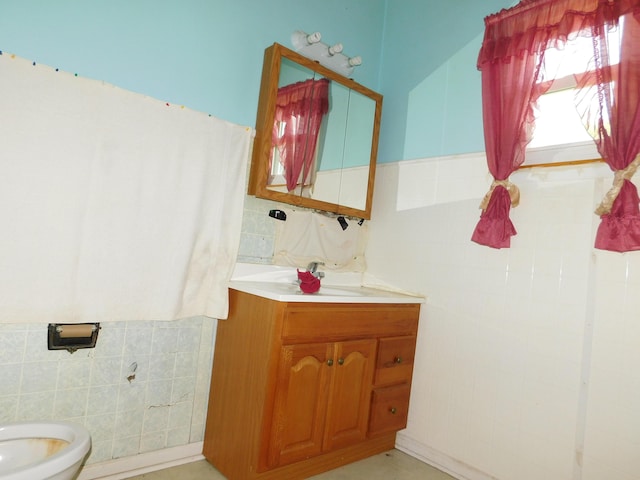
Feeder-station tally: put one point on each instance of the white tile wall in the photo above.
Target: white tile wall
(507, 335)
(163, 406)
(258, 231)
(505, 338)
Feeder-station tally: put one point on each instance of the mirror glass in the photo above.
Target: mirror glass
(316, 136)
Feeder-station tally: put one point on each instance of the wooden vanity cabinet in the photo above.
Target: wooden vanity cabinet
(300, 388)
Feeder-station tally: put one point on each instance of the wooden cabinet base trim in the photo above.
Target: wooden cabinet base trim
(311, 466)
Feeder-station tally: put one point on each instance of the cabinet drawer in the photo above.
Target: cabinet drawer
(389, 409)
(394, 363)
(336, 321)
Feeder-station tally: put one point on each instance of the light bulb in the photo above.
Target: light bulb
(313, 38)
(337, 48)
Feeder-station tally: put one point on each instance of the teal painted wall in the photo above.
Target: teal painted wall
(207, 55)
(203, 54)
(429, 78)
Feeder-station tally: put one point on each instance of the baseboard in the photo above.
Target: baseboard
(439, 460)
(122, 468)
(127, 467)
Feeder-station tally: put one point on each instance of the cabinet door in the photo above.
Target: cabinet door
(300, 402)
(349, 400)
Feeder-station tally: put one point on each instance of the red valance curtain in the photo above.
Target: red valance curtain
(300, 108)
(513, 78)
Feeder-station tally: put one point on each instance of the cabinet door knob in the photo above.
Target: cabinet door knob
(393, 410)
(330, 362)
(398, 360)
(341, 361)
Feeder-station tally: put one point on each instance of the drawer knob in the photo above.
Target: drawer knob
(393, 410)
(398, 360)
(330, 362)
(341, 361)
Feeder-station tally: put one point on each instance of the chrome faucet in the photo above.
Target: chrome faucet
(313, 269)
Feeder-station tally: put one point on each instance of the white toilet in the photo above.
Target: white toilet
(42, 450)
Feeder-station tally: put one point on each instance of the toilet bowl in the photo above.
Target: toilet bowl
(42, 450)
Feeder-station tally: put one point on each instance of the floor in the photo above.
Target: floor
(392, 465)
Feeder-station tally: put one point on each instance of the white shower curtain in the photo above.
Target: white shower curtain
(113, 205)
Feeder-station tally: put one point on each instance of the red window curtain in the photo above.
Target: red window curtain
(609, 104)
(513, 78)
(300, 108)
(509, 89)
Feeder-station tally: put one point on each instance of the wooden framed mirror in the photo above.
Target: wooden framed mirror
(316, 137)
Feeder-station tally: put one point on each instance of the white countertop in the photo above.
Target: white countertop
(279, 283)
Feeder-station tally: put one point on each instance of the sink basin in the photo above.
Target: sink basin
(290, 292)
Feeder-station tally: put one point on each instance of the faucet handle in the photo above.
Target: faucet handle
(313, 268)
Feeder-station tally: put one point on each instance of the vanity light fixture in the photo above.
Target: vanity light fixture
(331, 57)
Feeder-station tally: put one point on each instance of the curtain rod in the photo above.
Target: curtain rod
(562, 164)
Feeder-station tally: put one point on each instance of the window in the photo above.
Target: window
(559, 134)
(557, 121)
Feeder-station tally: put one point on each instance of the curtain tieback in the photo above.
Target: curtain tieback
(618, 180)
(514, 193)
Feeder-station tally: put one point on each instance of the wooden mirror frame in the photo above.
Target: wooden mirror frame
(262, 145)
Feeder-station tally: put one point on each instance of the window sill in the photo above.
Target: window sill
(561, 154)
